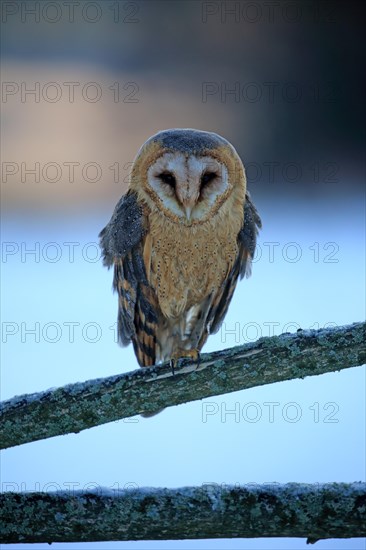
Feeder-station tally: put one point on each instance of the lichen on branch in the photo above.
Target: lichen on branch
(79, 406)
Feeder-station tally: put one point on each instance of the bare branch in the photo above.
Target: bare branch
(80, 406)
(333, 510)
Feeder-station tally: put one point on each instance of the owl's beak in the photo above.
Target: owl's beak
(188, 200)
(188, 210)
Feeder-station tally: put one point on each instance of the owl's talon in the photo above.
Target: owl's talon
(172, 365)
(192, 354)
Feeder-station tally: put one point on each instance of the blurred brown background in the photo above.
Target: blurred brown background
(283, 81)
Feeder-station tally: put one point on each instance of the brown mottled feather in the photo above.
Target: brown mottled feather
(122, 243)
(144, 339)
(246, 247)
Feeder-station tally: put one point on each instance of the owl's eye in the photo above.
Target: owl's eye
(168, 178)
(207, 177)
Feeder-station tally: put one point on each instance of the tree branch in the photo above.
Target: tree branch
(332, 510)
(80, 406)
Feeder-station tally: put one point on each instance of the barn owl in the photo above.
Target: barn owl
(179, 239)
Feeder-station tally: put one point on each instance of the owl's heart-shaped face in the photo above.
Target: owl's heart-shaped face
(187, 186)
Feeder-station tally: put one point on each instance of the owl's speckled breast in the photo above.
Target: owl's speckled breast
(190, 262)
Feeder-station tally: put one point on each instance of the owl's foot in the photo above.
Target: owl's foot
(192, 354)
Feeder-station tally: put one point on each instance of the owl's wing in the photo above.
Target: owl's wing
(122, 243)
(247, 239)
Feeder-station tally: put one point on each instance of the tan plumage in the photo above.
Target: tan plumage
(179, 239)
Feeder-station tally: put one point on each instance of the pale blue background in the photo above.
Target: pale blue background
(177, 448)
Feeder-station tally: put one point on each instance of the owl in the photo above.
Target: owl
(178, 241)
